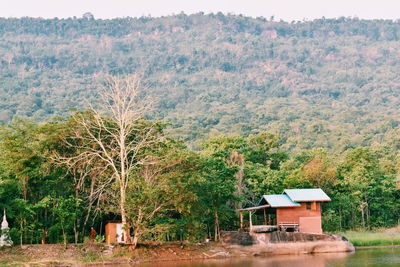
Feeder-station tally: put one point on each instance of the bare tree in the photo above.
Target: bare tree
(110, 139)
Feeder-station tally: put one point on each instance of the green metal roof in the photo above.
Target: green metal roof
(280, 201)
(314, 194)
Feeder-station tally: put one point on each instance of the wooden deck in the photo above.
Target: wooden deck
(292, 227)
(284, 226)
(264, 228)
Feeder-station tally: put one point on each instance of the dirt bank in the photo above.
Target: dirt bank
(235, 244)
(76, 255)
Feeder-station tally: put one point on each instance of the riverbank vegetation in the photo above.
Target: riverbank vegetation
(377, 237)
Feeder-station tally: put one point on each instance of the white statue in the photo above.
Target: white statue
(5, 239)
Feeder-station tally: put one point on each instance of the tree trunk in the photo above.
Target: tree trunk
(216, 227)
(89, 209)
(76, 233)
(123, 214)
(64, 235)
(25, 187)
(209, 236)
(362, 217)
(77, 221)
(136, 237)
(20, 237)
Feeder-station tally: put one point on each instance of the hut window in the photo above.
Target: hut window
(314, 206)
(308, 205)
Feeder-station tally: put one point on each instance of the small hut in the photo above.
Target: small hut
(115, 233)
(297, 210)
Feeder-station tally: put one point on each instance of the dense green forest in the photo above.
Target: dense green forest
(242, 107)
(329, 83)
(197, 192)
(60, 178)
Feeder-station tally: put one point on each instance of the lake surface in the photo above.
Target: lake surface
(382, 257)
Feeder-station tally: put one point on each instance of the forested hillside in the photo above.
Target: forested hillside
(330, 83)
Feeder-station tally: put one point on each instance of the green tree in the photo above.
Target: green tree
(21, 155)
(164, 186)
(217, 191)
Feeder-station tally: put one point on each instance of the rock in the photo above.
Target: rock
(218, 254)
(285, 243)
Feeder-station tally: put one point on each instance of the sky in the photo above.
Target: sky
(287, 10)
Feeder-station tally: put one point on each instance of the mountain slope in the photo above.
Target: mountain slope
(323, 83)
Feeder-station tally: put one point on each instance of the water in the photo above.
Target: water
(382, 257)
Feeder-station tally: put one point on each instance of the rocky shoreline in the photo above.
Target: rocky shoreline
(278, 243)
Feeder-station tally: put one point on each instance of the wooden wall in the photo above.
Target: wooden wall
(311, 222)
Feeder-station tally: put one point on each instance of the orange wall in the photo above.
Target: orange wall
(310, 225)
(292, 215)
(111, 233)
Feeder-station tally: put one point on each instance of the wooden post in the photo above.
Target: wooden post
(251, 223)
(241, 219)
(265, 216)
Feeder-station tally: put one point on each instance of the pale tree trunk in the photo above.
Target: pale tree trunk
(136, 237)
(76, 232)
(362, 217)
(123, 179)
(137, 230)
(123, 214)
(364, 205)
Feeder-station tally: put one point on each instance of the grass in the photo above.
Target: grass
(380, 237)
(10, 257)
(91, 256)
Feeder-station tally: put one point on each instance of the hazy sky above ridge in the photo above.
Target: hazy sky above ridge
(282, 9)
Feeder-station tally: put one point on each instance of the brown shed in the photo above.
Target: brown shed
(293, 210)
(115, 233)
